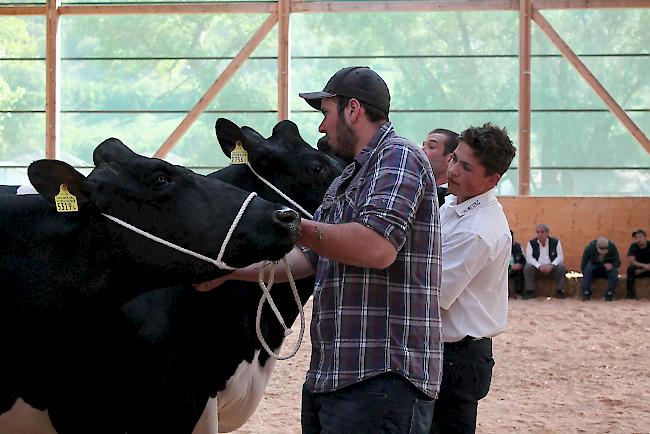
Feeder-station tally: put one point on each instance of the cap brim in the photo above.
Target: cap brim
(314, 98)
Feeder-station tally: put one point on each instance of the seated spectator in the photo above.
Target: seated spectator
(600, 259)
(544, 257)
(516, 266)
(639, 256)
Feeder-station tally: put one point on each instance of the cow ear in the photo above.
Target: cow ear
(286, 128)
(111, 149)
(47, 176)
(228, 134)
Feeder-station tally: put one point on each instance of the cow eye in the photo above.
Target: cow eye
(161, 180)
(316, 169)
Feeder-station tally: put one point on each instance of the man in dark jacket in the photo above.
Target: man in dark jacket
(600, 259)
(516, 266)
(639, 256)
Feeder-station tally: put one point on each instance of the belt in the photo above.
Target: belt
(467, 340)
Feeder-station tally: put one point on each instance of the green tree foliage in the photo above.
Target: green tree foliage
(136, 76)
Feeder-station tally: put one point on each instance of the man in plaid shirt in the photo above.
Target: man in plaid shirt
(374, 245)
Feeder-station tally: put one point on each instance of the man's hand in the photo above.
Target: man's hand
(517, 267)
(608, 266)
(546, 268)
(211, 284)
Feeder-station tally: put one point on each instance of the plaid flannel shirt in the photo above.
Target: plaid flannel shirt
(368, 321)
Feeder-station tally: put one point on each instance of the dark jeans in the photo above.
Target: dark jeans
(597, 270)
(387, 403)
(466, 378)
(631, 276)
(518, 279)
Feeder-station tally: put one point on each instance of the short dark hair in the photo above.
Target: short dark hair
(452, 139)
(492, 147)
(373, 113)
(638, 231)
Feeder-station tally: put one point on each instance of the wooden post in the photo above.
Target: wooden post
(52, 90)
(600, 90)
(284, 59)
(525, 10)
(216, 87)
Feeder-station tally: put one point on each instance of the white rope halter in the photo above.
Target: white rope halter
(218, 262)
(267, 289)
(278, 191)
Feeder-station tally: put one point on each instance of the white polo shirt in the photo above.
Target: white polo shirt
(476, 244)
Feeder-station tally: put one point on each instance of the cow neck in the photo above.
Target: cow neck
(218, 262)
(278, 191)
(266, 295)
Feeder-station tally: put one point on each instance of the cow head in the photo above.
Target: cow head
(173, 203)
(284, 159)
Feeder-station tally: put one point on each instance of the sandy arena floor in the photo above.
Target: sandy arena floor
(562, 366)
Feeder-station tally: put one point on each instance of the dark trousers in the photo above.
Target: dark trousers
(597, 270)
(518, 279)
(387, 403)
(466, 378)
(629, 283)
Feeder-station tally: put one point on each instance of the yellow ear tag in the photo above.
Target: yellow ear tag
(239, 154)
(65, 201)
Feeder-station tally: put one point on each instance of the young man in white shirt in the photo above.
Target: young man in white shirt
(544, 256)
(476, 244)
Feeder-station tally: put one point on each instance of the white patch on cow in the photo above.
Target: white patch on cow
(243, 393)
(25, 419)
(209, 422)
(26, 189)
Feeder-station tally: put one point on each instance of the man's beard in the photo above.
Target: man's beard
(346, 139)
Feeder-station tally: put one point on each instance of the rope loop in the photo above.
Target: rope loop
(266, 295)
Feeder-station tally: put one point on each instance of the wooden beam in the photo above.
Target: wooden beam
(404, 6)
(52, 90)
(600, 90)
(284, 56)
(23, 10)
(216, 87)
(525, 11)
(591, 4)
(172, 8)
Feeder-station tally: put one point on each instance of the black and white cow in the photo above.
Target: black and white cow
(177, 348)
(68, 275)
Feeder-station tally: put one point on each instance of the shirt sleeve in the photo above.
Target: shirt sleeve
(529, 256)
(560, 255)
(393, 189)
(463, 256)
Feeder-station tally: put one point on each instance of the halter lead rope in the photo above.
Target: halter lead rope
(218, 262)
(266, 290)
(267, 295)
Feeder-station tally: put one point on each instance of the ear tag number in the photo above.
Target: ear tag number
(239, 154)
(65, 201)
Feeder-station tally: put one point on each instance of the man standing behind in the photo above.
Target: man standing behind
(600, 259)
(474, 288)
(639, 256)
(544, 257)
(438, 146)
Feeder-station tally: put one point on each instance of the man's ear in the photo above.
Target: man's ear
(494, 179)
(355, 109)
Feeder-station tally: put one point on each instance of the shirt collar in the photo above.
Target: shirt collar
(364, 155)
(473, 204)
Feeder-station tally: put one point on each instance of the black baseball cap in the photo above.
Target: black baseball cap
(359, 82)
